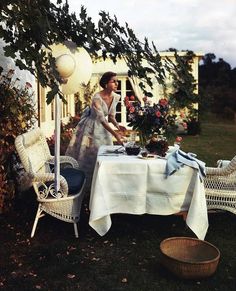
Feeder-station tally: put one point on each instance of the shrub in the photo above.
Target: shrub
(17, 115)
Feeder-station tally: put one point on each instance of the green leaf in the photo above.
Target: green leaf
(9, 51)
(51, 94)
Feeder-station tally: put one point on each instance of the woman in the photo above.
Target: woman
(94, 129)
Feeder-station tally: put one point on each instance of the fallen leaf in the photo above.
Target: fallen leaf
(70, 276)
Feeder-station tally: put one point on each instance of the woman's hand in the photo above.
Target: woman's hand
(120, 139)
(121, 128)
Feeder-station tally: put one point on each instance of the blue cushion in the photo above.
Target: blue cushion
(74, 178)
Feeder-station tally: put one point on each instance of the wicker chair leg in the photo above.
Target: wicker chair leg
(38, 215)
(76, 230)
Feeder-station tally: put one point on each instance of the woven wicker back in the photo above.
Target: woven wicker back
(33, 151)
(220, 187)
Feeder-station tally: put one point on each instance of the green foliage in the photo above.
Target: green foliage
(217, 84)
(84, 97)
(30, 26)
(183, 94)
(16, 117)
(66, 135)
(184, 84)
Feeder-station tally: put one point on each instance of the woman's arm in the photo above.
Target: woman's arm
(114, 133)
(105, 124)
(112, 119)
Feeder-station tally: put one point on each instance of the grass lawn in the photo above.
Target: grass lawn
(127, 258)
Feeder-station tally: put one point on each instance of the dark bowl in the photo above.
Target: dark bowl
(132, 151)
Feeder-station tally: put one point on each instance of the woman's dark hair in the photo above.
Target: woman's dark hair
(106, 77)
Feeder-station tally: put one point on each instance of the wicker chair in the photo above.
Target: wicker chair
(220, 186)
(38, 163)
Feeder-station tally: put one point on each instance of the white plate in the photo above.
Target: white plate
(119, 150)
(148, 157)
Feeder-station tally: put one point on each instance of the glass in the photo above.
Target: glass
(131, 139)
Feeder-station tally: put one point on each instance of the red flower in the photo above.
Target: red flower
(28, 85)
(77, 117)
(158, 114)
(131, 109)
(132, 98)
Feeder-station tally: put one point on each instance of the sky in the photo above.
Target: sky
(203, 26)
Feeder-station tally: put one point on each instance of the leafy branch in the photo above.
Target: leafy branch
(29, 27)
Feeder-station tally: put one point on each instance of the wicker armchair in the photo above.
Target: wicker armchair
(220, 187)
(38, 163)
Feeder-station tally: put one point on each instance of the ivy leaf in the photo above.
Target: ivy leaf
(9, 51)
(51, 94)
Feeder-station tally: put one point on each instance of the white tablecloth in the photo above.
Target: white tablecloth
(127, 184)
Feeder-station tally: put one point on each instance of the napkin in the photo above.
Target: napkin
(179, 158)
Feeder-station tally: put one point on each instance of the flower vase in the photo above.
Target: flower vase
(143, 139)
(157, 146)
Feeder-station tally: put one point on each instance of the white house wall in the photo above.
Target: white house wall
(121, 69)
(46, 121)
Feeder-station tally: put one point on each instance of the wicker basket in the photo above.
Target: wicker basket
(189, 258)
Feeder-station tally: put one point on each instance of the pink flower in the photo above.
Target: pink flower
(127, 104)
(132, 98)
(178, 139)
(185, 125)
(163, 102)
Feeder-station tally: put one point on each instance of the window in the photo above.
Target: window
(124, 89)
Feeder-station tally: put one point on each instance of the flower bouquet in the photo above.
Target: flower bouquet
(146, 118)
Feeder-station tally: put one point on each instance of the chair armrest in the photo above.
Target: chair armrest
(225, 171)
(43, 178)
(222, 163)
(66, 160)
(213, 171)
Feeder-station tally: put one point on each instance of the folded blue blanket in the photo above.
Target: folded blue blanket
(178, 159)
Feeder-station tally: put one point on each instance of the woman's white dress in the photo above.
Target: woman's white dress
(90, 134)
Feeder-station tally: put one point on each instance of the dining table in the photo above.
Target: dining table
(133, 184)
